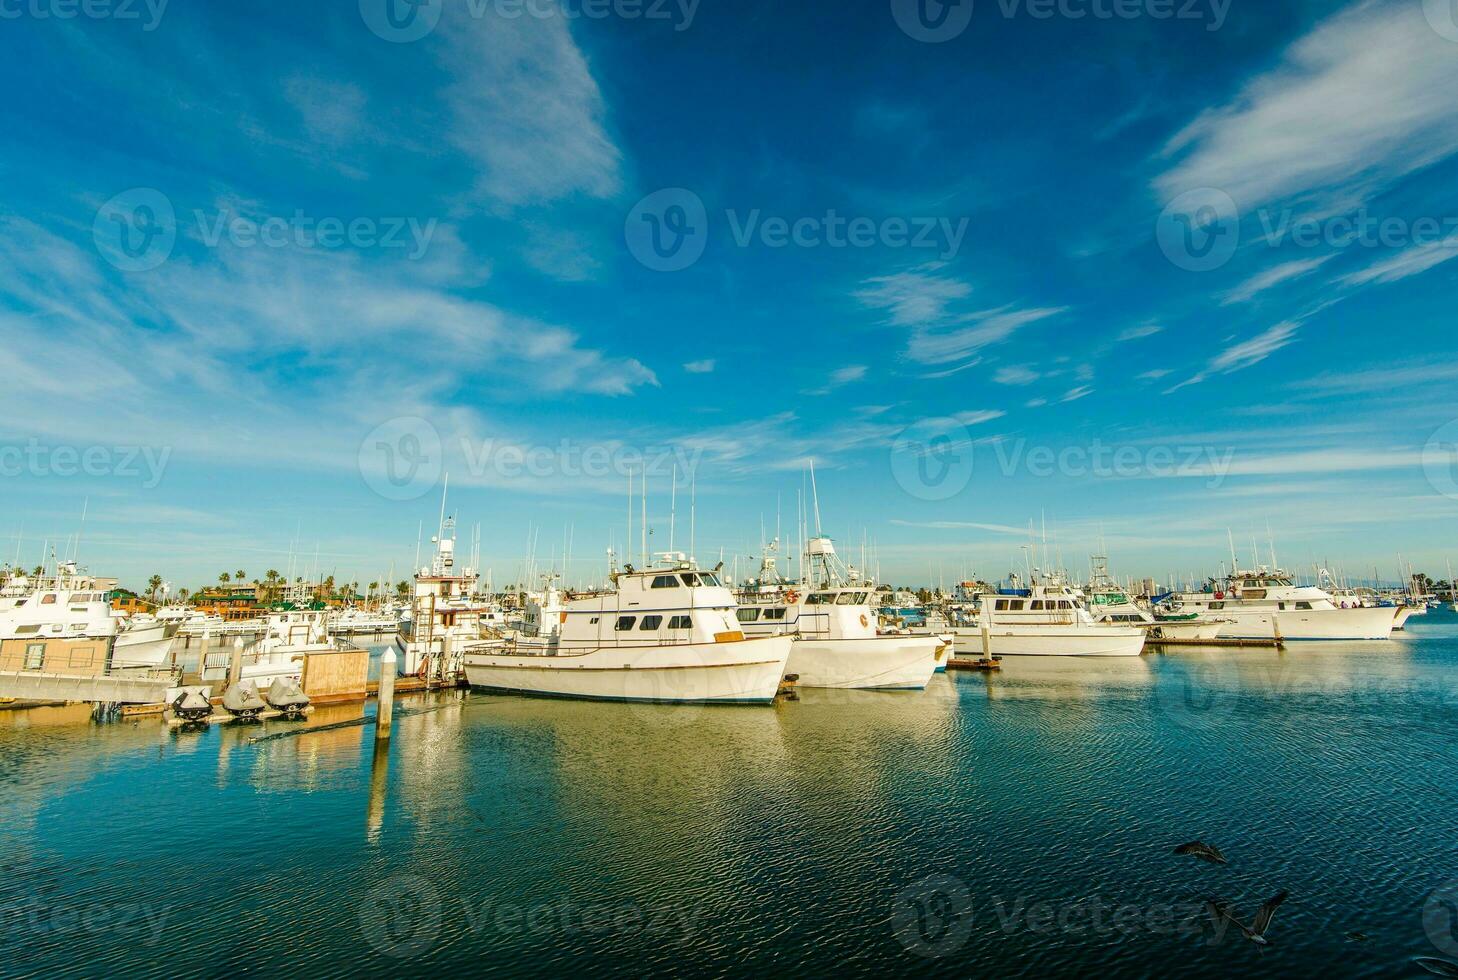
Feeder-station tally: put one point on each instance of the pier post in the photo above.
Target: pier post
(386, 706)
(986, 623)
(1276, 631)
(235, 661)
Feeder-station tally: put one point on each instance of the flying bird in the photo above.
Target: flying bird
(1256, 931)
(1440, 967)
(1203, 851)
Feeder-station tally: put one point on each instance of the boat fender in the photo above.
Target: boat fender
(864, 620)
(792, 597)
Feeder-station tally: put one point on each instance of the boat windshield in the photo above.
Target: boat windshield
(852, 598)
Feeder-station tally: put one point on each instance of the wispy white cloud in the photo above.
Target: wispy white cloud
(1334, 122)
(979, 416)
(1246, 353)
(1019, 532)
(1409, 262)
(1015, 374)
(913, 298)
(1139, 332)
(525, 106)
(1074, 394)
(705, 366)
(1273, 276)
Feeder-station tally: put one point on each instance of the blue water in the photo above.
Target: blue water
(968, 829)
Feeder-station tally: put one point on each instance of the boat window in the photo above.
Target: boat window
(1001, 604)
(48, 599)
(774, 614)
(680, 623)
(626, 622)
(78, 626)
(1303, 605)
(651, 622)
(851, 599)
(1217, 605)
(667, 582)
(1065, 604)
(1036, 604)
(708, 578)
(35, 656)
(29, 628)
(821, 599)
(748, 615)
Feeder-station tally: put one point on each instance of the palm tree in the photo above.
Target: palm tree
(153, 585)
(403, 590)
(182, 594)
(223, 579)
(239, 575)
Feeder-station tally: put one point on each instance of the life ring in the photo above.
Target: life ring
(864, 620)
(792, 597)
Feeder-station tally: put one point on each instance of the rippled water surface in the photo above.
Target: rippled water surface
(1017, 824)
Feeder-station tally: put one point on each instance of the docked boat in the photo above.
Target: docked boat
(353, 621)
(834, 627)
(144, 641)
(667, 634)
(1108, 602)
(1265, 603)
(446, 614)
(1047, 620)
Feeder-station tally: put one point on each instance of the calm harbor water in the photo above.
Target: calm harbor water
(1019, 823)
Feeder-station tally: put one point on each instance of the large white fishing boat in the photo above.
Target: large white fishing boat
(144, 641)
(446, 613)
(836, 642)
(665, 633)
(1047, 620)
(1265, 603)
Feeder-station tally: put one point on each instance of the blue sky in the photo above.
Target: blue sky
(1149, 269)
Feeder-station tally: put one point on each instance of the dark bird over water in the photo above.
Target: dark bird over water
(1256, 931)
(1203, 851)
(1441, 967)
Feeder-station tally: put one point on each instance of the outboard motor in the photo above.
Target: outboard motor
(242, 700)
(192, 704)
(285, 695)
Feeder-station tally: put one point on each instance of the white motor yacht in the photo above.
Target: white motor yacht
(1047, 620)
(1262, 602)
(665, 633)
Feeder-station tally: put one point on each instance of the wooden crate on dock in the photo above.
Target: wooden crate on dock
(337, 675)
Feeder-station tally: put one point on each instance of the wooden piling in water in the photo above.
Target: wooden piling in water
(386, 706)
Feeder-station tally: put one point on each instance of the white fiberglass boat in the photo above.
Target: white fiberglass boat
(144, 641)
(1261, 602)
(836, 642)
(666, 633)
(1047, 621)
(1110, 603)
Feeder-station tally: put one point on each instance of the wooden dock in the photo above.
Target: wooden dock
(979, 663)
(1227, 641)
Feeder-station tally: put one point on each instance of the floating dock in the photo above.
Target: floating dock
(978, 663)
(1227, 641)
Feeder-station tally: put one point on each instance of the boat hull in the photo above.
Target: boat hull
(737, 672)
(1363, 623)
(145, 646)
(1188, 629)
(876, 662)
(1055, 641)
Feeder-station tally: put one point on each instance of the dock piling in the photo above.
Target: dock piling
(386, 706)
